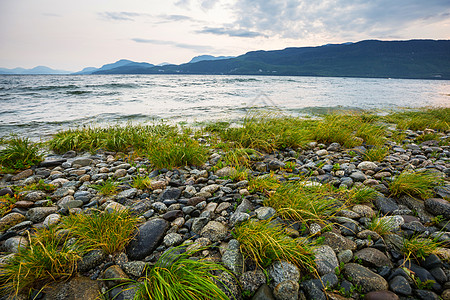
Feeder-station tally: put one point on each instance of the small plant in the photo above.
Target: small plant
(377, 153)
(336, 167)
(263, 184)
(382, 225)
(176, 276)
(108, 231)
(304, 203)
(420, 247)
(362, 195)
(290, 166)
(41, 186)
(48, 257)
(19, 154)
(437, 219)
(352, 153)
(420, 184)
(265, 242)
(141, 182)
(108, 187)
(7, 203)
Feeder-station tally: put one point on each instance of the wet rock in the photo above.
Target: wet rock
(286, 290)
(91, 259)
(172, 239)
(82, 161)
(10, 220)
(252, 280)
(282, 270)
(13, 244)
(385, 205)
(381, 295)
(149, 236)
(372, 257)
(400, 285)
(51, 219)
(263, 293)
(22, 175)
(313, 289)
(114, 275)
(368, 280)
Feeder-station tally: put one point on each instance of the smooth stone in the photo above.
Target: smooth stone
(325, 259)
(38, 214)
(366, 233)
(367, 165)
(172, 215)
(114, 275)
(130, 193)
(22, 175)
(10, 220)
(363, 211)
(51, 219)
(6, 191)
(238, 218)
(252, 280)
(149, 236)
(265, 213)
(115, 207)
(381, 295)
(134, 268)
(313, 289)
(75, 289)
(13, 244)
(345, 256)
(214, 231)
(372, 257)
(358, 176)
(172, 239)
(225, 172)
(198, 224)
(222, 206)
(170, 193)
(232, 258)
(286, 290)
(337, 242)
(263, 293)
(244, 207)
(426, 295)
(119, 173)
(91, 259)
(368, 280)
(210, 188)
(400, 285)
(438, 206)
(35, 196)
(282, 270)
(385, 205)
(275, 165)
(82, 161)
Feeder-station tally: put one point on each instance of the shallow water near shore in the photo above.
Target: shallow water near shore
(37, 106)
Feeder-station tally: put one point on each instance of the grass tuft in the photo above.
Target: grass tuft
(420, 184)
(420, 247)
(141, 182)
(265, 242)
(376, 153)
(435, 118)
(382, 226)
(178, 277)
(48, 257)
(106, 188)
(19, 154)
(101, 230)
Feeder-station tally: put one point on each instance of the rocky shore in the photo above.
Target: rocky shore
(200, 206)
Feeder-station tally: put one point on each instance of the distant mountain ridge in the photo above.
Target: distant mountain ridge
(208, 57)
(39, 70)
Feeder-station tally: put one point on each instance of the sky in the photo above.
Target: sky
(71, 35)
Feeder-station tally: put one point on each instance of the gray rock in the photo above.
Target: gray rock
(214, 231)
(114, 275)
(367, 165)
(170, 193)
(134, 268)
(372, 257)
(381, 295)
(282, 270)
(368, 280)
(286, 290)
(22, 175)
(263, 293)
(232, 258)
(275, 164)
(38, 214)
(345, 256)
(82, 161)
(245, 207)
(325, 259)
(438, 206)
(394, 241)
(443, 191)
(265, 213)
(385, 205)
(13, 244)
(238, 218)
(75, 289)
(418, 206)
(35, 196)
(10, 220)
(130, 193)
(252, 280)
(149, 236)
(313, 289)
(91, 259)
(172, 239)
(400, 285)
(52, 219)
(198, 224)
(337, 242)
(358, 176)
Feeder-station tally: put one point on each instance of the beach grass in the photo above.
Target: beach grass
(19, 154)
(49, 257)
(266, 241)
(415, 184)
(437, 118)
(107, 187)
(377, 153)
(177, 276)
(419, 247)
(381, 225)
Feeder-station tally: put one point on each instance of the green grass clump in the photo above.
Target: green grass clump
(48, 257)
(419, 247)
(304, 203)
(263, 184)
(112, 138)
(377, 153)
(178, 277)
(268, 132)
(266, 241)
(106, 188)
(362, 195)
(19, 154)
(176, 152)
(102, 230)
(382, 226)
(141, 182)
(6, 205)
(435, 118)
(415, 184)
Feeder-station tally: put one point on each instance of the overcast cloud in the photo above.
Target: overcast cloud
(75, 34)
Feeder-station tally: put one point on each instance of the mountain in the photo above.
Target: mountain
(39, 70)
(419, 59)
(208, 57)
(125, 65)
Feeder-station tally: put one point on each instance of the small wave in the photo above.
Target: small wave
(114, 85)
(78, 92)
(234, 80)
(49, 87)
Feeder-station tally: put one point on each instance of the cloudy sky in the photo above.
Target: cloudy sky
(70, 35)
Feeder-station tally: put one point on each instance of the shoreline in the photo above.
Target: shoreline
(332, 189)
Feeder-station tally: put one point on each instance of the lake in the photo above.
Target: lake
(37, 106)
